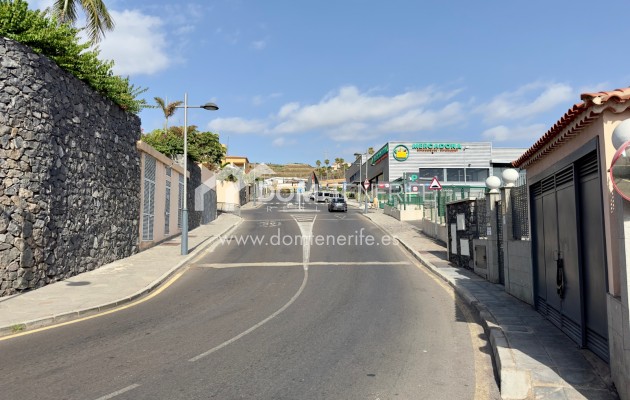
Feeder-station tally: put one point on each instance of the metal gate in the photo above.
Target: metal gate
(499, 212)
(568, 250)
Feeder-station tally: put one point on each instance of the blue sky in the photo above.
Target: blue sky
(300, 81)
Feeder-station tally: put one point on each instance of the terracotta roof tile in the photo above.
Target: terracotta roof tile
(573, 121)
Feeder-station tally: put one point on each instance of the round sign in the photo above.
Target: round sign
(401, 152)
(620, 171)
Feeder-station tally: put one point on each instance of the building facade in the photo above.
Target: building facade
(453, 163)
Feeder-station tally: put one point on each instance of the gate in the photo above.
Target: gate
(499, 215)
(568, 249)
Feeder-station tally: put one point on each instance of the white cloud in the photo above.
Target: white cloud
(348, 114)
(237, 125)
(422, 120)
(283, 142)
(259, 44)
(348, 105)
(503, 133)
(259, 100)
(518, 105)
(137, 44)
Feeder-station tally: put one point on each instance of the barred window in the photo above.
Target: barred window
(148, 207)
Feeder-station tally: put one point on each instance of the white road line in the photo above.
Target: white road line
(306, 228)
(121, 391)
(258, 325)
(295, 264)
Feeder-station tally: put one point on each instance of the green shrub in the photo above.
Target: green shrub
(203, 147)
(60, 43)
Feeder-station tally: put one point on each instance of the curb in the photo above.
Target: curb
(515, 384)
(71, 315)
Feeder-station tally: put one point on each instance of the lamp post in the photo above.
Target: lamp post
(366, 176)
(357, 155)
(209, 107)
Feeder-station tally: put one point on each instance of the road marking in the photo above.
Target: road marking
(258, 325)
(116, 393)
(100, 314)
(295, 264)
(305, 223)
(306, 228)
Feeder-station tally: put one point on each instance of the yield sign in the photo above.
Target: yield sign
(435, 184)
(366, 184)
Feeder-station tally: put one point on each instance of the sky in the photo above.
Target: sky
(298, 81)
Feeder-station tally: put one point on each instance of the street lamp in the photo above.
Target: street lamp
(366, 176)
(209, 107)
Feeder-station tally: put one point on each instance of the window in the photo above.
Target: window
(431, 172)
(148, 207)
(455, 175)
(477, 174)
(167, 205)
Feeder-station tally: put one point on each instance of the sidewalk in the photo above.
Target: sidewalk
(109, 286)
(534, 359)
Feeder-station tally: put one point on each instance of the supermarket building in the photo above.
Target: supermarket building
(453, 163)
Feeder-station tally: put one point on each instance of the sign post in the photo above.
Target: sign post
(366, 186)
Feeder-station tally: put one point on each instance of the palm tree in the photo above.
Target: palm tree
(168, 109)
(326, 161)
(342, 163)
(98, 18)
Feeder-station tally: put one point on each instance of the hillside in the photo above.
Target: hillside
(292, 170)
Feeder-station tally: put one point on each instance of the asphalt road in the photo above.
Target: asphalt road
(262, 315)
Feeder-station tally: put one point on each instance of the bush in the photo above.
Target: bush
(203, 147)
(60, 43)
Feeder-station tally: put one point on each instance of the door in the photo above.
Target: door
(569, 253)
(556, 252)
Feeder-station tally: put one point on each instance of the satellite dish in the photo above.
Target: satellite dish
(620, 171)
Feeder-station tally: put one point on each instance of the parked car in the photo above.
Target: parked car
(322, 197)
(312, 196)
(337, 204)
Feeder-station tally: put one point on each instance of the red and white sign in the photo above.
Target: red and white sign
(366, 184)
(435, 184)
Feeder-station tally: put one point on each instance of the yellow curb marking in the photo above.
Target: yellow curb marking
(100, 314)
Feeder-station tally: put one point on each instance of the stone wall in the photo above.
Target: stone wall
(69, 174)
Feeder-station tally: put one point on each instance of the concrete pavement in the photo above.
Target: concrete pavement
(534, 359)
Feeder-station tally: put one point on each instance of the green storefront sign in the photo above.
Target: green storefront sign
(437, 146)
(379, 155)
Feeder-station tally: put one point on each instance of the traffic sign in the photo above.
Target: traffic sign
(366, 184)
(435, 184)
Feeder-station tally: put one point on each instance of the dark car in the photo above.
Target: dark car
(337, 204)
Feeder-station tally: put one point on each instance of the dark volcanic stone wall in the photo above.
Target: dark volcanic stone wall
(69, 174)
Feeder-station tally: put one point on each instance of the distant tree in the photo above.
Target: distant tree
(203, 147)
(167, 108)
(342, 163)
(318, 163)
